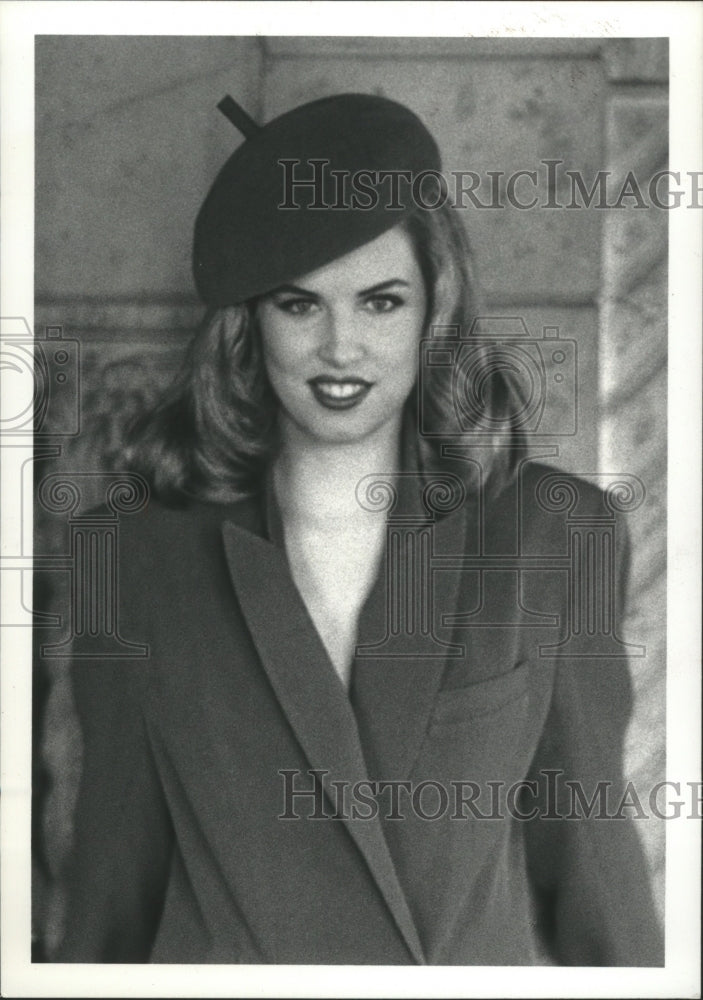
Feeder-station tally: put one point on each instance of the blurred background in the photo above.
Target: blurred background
(128, 141)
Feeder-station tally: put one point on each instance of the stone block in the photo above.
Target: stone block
(128, 141)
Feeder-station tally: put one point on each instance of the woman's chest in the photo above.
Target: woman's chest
(334, 572)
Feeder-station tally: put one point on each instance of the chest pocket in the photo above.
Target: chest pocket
(456, 706)
(480, 731)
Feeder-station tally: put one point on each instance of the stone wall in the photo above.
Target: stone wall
(128, 141)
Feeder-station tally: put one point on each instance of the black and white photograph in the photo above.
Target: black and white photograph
(350, 428)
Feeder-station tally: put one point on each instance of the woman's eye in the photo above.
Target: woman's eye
(384, 303)
(296, 307)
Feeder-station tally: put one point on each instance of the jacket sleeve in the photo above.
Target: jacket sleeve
(590, 872)
(122, 833)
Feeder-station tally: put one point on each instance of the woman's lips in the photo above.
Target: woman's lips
(339, 393)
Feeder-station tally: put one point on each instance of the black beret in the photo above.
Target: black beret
(259, 228)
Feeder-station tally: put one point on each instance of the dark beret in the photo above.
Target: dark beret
(259, 228)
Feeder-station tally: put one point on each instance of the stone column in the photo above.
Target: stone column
(633, 380)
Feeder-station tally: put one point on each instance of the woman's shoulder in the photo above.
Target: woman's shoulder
(540, 500)
(165, 560)
(164, 550)
(552, 488)
(190, 523)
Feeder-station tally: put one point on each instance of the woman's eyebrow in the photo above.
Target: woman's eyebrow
(297, 290)
(383, 284)
(293, 289)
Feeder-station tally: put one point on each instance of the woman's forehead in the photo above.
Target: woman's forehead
(390, 256)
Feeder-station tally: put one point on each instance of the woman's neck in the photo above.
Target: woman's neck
(316, 482)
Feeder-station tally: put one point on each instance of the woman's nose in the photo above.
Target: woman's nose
(341, 343)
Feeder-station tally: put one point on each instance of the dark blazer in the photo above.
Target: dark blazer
(181, 854)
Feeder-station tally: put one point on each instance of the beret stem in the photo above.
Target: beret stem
(238, 116)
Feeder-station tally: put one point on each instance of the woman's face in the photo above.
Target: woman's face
(341, 345)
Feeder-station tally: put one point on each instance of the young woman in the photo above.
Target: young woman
(319, 762)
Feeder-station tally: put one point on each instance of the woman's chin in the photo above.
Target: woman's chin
(346, 428)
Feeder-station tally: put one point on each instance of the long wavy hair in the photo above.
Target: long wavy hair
(214, 432)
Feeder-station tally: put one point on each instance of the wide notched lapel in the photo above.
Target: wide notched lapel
(310, 694)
